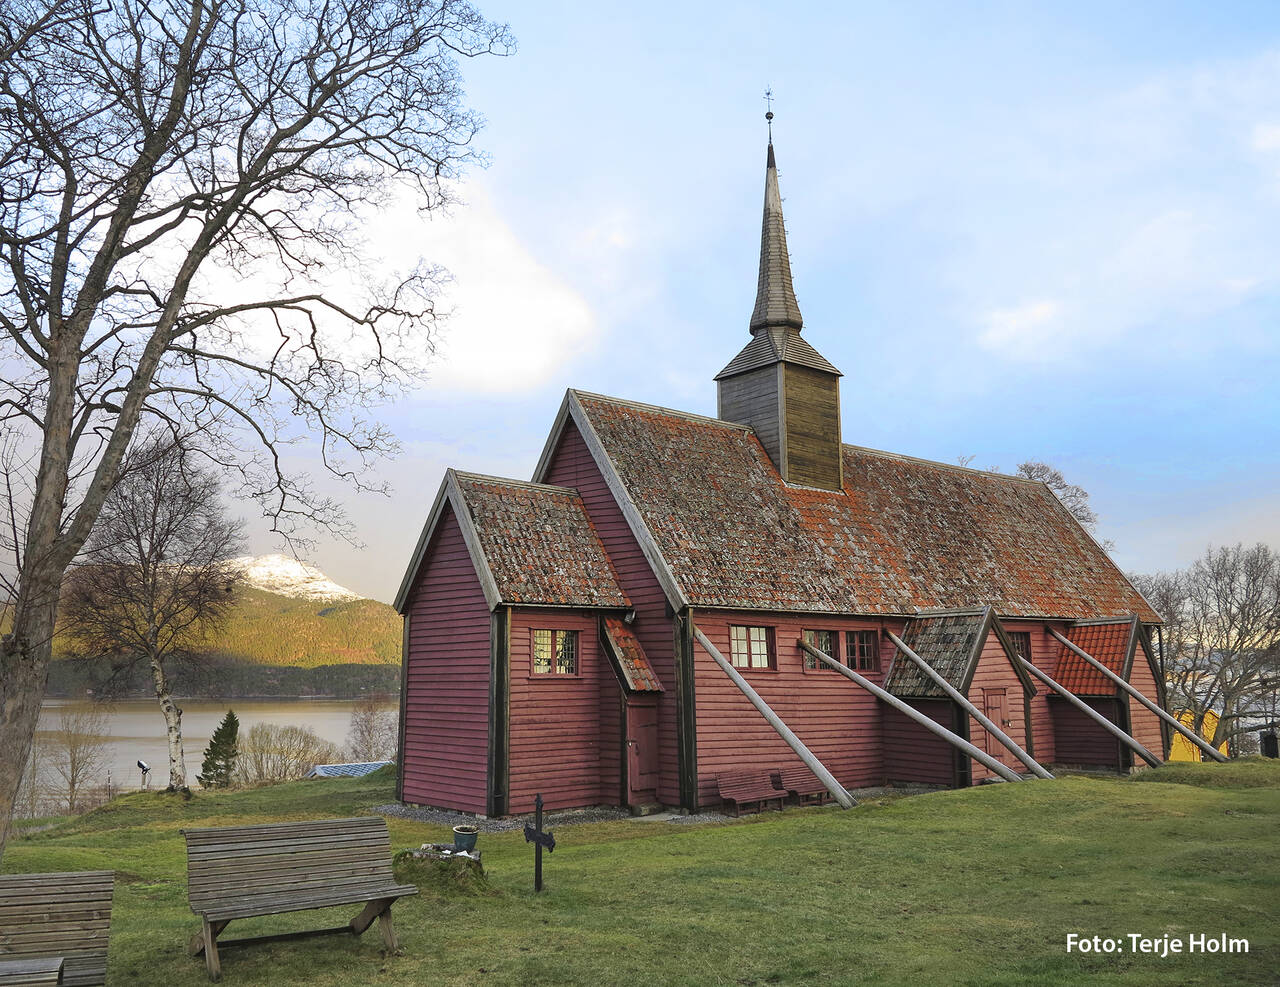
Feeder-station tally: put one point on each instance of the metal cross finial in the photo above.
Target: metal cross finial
(768, 99)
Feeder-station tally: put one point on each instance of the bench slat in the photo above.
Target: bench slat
(244, 871)
(59, 915)
(276, 906)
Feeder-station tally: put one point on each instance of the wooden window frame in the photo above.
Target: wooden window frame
(1013, 639)
(553, 672)
(771, 657)
(853, 659)
(805, 657)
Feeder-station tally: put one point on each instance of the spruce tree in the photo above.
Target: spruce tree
(220, 755)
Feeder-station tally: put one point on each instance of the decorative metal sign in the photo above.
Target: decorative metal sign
(534, 834)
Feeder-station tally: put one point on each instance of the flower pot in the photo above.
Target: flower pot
(464, 837)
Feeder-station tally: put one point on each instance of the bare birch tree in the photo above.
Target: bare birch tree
(153, 584)
(374, 731)
(1074, 497)
(176, 178)
(1221, 637)
(80, 750)
(270, 753)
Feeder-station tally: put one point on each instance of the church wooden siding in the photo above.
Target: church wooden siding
(811, 422)
(995, 672)
(752, 398)
(913, 754)
(836, 719)
(446, 703)
(1081, 741)
(1147, 729)
(559, 746)
(572, 466)
(1044, 655)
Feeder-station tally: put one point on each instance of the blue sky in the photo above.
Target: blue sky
(1021, 232)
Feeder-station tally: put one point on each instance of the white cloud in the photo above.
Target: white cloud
(511, 322)
(1027, 327)
(1266, 137)
(1151, 210)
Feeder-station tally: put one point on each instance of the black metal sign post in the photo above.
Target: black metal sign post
(534, 834)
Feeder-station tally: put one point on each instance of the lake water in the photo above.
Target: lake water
(138, 732)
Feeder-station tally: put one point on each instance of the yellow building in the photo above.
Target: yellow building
(1181, 749)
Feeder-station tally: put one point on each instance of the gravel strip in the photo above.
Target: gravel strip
(444, 817)
(574, 817)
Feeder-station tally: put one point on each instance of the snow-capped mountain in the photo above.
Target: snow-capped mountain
(288, 577)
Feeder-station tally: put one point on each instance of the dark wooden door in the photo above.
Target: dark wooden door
(642, 752)
(994, 706)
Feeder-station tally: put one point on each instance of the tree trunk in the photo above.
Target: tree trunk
(24, 666)
(173, 726)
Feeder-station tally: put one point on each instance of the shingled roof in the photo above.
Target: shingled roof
(905, 535)
(1110, 642)
(633, 663)
(775, 297)
(771, 346)
(530, 543)
(948, 642)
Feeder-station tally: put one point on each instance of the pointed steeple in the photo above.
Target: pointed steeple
(776, 306)
(778, 384)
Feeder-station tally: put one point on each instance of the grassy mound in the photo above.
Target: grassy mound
(1245, 772)
(979, 886)
(448, 878)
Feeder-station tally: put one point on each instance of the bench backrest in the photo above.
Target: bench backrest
(801, 779)
(745, 784)
(247, 863)
(67, 915)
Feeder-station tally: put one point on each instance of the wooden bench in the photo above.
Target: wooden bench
(747, 788)
(51, 916)
(237, 872)
(802, 783)
(31, 973)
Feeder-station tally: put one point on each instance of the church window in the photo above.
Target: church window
(555, 652)
(749, 647)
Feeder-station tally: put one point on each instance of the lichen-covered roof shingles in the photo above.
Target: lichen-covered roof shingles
(905, 535)
(946, 643)
(540, 544)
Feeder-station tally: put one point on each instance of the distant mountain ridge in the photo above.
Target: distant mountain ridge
(288, 576)
(289, 613)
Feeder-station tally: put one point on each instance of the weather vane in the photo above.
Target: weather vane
(768, 115)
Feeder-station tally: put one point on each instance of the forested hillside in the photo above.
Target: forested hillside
(272, 645)
(269, 629)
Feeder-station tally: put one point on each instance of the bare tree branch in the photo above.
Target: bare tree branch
(161, 165)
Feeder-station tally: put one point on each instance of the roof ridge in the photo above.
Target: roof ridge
(1102, 621)
(946, 466)
(509, 482)
(674, 412)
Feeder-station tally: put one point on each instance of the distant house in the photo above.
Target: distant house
(549, 625)
(1181, 749)
(355, 769)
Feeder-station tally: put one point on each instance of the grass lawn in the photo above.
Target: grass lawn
(979, 886)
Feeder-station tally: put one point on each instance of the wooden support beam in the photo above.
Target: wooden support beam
(1088, 710)
(837, 790)
(1191, 735)
(989, 725)
(977, 753)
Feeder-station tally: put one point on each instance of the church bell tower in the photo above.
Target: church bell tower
(780, 385)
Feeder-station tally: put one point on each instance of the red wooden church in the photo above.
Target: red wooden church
(549, 626)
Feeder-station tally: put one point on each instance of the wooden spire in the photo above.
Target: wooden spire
(776, 306)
